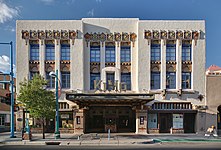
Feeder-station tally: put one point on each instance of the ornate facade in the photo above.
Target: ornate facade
(128, 75)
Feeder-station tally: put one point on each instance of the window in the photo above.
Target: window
(155, 52)
(126, 78)
(51, 81)
(2, 86)
(155, 80)
(110, 54)
(186, 52)
(110, 81)
(171, 52)
(125, 54)
(2, 119)
(95, 53)
(49, 52)
(32, 74)
(34, 52)
(171, 80)
(94, 76)
(65, 79)
(186, 80)
(65, 52)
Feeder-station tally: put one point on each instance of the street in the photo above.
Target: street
(164, 146)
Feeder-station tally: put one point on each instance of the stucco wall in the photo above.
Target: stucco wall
(213, 96)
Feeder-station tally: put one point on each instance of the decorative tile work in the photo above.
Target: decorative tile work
(49, 35)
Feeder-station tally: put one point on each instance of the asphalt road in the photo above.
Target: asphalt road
(166, 146)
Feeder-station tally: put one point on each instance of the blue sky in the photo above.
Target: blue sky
(209, 10)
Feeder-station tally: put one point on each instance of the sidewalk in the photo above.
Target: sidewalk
(116, 139)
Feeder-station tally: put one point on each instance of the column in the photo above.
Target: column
(58, 57)
(179, 64)
(102, 55)
(42, 57)
(163, 64)
(117, 54)
(148, 64)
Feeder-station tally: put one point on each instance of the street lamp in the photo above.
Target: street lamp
(57, 132)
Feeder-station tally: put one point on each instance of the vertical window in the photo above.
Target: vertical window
(155, 80)
(65, 52)
(126, 78)
(95, 53)
(171, 80)
(93, 77)
(186, 80)
(65, 79)
(110, 81)
(155, 52)
(33, 73)
(34, 52)
(2, 119)
(49, 52)
(171, 52)
(109, 53)
(51, 81)
(186, 52)
(125, 54)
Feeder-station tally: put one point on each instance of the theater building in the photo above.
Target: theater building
(122, 74)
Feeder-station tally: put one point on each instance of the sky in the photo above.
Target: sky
(208, 10)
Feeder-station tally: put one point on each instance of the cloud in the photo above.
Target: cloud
(47, 1)
(5, 64)
(9, 28)
(98, 1)
(7, 13)
(91, 13)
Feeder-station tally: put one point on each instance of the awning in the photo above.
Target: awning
(133, 99)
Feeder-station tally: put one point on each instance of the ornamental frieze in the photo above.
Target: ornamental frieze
(49, 35)
(171, 35)
(109, 37)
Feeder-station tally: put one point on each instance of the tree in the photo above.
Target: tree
(37, 100)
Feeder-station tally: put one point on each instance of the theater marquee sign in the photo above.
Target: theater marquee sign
(117, 86)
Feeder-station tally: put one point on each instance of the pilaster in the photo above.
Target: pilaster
(42, 57)
(163, 64)
(57, 57)
(179, 64)
(102, 55)
(117, 54)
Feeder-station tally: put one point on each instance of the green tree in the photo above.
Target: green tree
(37, 100)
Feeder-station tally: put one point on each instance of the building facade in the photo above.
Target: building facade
(213, 96)
(126, 74)
(5, 102)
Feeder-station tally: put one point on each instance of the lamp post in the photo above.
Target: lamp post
(57, 132)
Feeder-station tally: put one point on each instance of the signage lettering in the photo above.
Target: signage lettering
(116, 85)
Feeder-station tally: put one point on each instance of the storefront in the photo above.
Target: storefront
(171, 118)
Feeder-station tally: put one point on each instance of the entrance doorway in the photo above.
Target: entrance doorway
(219, 119)
(116, 118)
(165, 122)
(189, 122)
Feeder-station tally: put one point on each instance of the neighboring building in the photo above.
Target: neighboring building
(126, 74)
(5, 103)
(213, 96)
